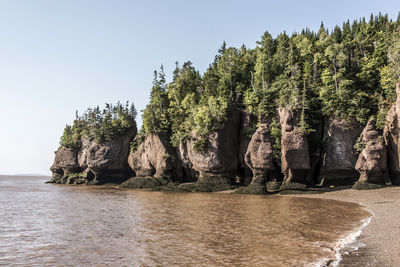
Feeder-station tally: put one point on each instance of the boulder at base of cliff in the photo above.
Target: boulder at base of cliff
(371, 163)
(259, 158)
(65, 163)
(156, 158)
(295, 152)
(392, 139)
(217, 161)
(338, 155)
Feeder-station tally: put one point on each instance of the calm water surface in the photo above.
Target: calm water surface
(46, 225)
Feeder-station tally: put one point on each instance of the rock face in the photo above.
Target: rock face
(217, 164)
(155, 157)
(259, 158)
(95, 163)
(65, 163)
(108, 161)
(338, 155)
(392, 138)
(244, 172)
(371, 163)
(295, 153)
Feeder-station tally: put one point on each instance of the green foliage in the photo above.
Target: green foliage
(99, 125)
(155, 116)
(183, 95)
(200, 144)
(276, 139)
(349, 73)
(139, 139)
(359, 145)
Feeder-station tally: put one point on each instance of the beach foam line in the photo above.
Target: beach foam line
(345, 245)
(348, 244)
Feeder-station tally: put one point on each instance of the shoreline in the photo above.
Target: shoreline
(377, 244)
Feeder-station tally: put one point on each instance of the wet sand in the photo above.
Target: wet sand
(382, 236)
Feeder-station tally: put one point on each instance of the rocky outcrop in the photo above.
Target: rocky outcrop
(156, 158)
(295, 153)
(217, 163)
(371, 163)
(392, 139)
(244, 172)
(259, 158)
(95, 163)
(107, 161)
(338, 155)
(65, 163)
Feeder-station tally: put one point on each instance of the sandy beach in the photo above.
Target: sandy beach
(382, 235)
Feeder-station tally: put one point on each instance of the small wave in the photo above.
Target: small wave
(348, 244)
(344, 246)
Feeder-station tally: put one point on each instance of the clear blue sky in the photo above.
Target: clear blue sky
(60, 56)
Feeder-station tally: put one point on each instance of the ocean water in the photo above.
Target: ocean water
(59, 225)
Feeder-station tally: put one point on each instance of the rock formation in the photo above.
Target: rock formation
(95, 163)
(244, 172)
(259, 158)
(217, 164)
(65, 163)
(392, 138)
(295, 154)
(154, 158)
(338, 156)
(371, 163)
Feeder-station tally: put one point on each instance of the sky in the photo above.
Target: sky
(57, 57)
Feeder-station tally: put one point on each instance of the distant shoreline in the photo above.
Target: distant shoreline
(381, 235)
(25, 175)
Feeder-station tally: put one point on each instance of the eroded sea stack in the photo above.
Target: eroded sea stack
(259, 158)
(295, 153)
(217, 163)
(94, 162)
(372, 161)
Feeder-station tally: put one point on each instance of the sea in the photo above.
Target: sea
(64, 225)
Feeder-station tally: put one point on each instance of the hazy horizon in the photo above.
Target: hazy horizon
(62, 56)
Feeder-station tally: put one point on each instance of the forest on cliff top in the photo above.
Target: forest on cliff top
(349, 72)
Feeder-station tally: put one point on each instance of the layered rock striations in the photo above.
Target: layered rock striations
(372, 161)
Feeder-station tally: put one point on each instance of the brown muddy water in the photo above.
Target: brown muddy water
(55, 225)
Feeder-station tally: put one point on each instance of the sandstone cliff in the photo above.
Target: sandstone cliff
(392, 137)
(295, 153)
(338, 155)
(217, 164)
(244, 172)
